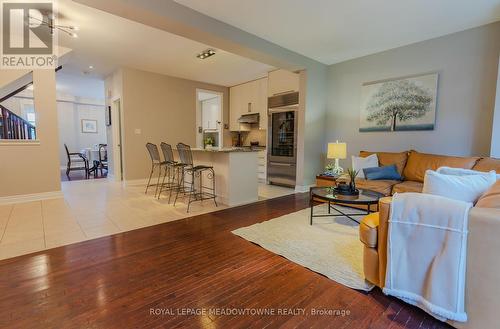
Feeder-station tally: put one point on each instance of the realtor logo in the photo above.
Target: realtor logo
(26, 42)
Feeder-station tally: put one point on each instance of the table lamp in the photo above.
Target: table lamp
(337, 151)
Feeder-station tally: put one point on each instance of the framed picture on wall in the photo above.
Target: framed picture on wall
(401, 104)
(89, 126)
(108, 116)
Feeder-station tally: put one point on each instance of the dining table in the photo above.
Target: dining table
(92, 155)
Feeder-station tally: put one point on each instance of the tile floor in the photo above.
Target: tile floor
(92, 209)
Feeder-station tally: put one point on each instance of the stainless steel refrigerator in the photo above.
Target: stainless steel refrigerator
(282, 144)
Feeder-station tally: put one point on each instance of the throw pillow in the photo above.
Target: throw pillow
(379, 173)
(466, 188)
(460, 171)
(359, 163)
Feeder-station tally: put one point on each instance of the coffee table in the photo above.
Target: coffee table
(328, 194)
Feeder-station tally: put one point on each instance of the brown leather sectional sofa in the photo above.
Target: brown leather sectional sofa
(412, 166)
(483, 264)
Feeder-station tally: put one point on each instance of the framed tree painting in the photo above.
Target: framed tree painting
(402, 104)
(89, 126)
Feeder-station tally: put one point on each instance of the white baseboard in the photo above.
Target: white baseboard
(31, 197)
(137, 182)
(303, 188)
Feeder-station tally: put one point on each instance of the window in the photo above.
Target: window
(29, 114)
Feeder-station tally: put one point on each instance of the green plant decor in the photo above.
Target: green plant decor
(329, 168)
(209, 141)
(352, 176)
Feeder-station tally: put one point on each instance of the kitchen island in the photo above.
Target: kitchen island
(236, 181)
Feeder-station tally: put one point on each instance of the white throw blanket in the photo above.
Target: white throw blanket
(426, 253)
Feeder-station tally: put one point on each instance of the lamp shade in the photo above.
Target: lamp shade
(337, 151)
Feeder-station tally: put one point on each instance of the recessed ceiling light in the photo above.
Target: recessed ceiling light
(91, 67)
(205, 54)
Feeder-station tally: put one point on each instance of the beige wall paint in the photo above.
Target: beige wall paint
(34, 167)
(467, 64)
(163, 108)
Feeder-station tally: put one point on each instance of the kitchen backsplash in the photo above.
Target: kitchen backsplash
(254, 135)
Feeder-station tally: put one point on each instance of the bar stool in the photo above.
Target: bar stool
(201, 192)
(156, 163)
(172, 170)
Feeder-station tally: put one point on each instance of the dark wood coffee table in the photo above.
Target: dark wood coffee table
(327, 194)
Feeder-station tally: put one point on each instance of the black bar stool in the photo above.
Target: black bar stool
(173, 168)
(195, 193)
(156, 163)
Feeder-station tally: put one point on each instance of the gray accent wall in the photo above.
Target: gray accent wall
(495, 132)
(467, 63)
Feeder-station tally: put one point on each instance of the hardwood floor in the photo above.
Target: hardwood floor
(159, 276)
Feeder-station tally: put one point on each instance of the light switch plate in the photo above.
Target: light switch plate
(137, 131)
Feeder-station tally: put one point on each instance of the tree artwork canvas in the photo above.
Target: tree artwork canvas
(399, 105)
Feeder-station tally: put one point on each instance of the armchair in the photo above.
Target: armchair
(482, 294)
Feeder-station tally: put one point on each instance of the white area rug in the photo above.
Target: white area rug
(330, 246)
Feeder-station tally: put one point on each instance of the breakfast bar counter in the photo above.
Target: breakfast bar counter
(235, 173)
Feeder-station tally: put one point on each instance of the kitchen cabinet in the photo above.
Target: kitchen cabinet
(248, 98)
(210, 114)
(236, 105)
(282, 82)
(261, 166)
(263, 85)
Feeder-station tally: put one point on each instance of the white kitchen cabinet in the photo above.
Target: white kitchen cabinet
(263, 109)
(210, 114)
(235, 106)
(262, 165)
(248, 98)
(282, 81)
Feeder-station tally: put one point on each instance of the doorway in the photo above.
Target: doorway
(209, 127)
(116, 141)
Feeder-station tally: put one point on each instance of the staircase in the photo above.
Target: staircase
(12, 126)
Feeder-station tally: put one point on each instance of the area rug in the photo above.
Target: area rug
(330, 246)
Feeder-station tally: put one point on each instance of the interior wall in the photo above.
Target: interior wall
(158, 108)
(71, 113)
(28, 167)
(467, 63)
(311, 129)
(113, 85)
(495, 131)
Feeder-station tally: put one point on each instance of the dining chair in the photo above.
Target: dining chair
(103, 158)
(75, 158)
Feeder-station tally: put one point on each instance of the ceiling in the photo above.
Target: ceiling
(108, 42)
(331, 31)
(80, 85)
